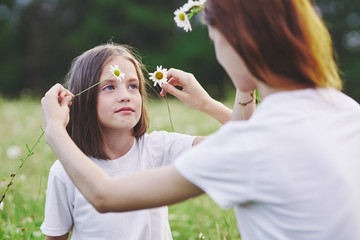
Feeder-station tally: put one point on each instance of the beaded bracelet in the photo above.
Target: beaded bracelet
(250, 101)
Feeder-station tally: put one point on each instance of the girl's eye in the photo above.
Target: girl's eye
(132, 86)
(109, 87)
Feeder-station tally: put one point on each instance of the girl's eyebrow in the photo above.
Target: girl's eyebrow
(133, 80)
(112, 81)
(108, 81)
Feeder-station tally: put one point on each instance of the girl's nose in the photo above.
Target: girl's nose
(123, 95)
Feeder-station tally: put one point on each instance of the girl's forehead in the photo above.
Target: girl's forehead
(121, 62)
(125, 65)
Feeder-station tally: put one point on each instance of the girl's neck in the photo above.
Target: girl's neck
(117, 145)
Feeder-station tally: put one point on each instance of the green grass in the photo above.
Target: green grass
(24, 204)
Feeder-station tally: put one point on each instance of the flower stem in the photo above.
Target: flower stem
(194, 11)
(257, 97)
(92, 86)
(30, 153)
(168, 105)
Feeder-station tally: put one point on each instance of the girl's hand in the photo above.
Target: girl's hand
(192, 93)
(55, 108)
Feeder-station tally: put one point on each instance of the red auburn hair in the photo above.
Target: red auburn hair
(282, 42)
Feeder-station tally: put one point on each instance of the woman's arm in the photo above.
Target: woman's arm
(153, 188)
(194, 96)
(244, 105)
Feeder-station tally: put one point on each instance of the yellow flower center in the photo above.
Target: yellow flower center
(117, 72)
(182, 16)
(159, 75)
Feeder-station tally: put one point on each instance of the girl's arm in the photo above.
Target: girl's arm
(63, 237)
(153, 188)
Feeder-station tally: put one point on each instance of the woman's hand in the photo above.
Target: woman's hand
(192, 93)
(55, 108)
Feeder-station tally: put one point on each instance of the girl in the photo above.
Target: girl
(108, 124)
(291, 171)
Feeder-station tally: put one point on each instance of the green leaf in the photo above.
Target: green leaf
(28, 148)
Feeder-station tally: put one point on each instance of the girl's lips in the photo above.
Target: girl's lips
(125, 110)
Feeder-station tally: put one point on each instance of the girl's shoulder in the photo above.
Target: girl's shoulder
(58, 172)
(162, 136)
(163, 140)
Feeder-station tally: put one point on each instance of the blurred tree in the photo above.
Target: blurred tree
(343, 21)
(39, 39)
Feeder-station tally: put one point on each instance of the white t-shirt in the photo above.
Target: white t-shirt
(292, 172)
(66, 209)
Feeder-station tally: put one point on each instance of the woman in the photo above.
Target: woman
(291, 171)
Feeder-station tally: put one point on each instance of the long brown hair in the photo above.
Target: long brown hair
(282, 42)
(84, 126)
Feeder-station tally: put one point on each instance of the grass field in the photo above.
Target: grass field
(23, 208)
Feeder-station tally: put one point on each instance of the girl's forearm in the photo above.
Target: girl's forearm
(85, 174)
(148, 189)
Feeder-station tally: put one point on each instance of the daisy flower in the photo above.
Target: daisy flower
(159, 76)
(117, 73)
(184, 13)
(181, 19)
(199, 3)
(189, 5)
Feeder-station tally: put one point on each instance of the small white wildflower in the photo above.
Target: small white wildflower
(13, 152)
(159, 76)
(22, 177)
(201, 235)
(2, 206)
(117, 73)
(37, 234)
(182, 19)
(3, 182)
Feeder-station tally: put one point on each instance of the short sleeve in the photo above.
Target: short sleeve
(220, 166)
(58, 210)
(164, 147)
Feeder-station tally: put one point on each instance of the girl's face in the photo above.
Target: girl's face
(119, 102)
(230, 60)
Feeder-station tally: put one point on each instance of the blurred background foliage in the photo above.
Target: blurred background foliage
(40, 38)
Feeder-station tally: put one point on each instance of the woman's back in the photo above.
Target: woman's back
(291, 171)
